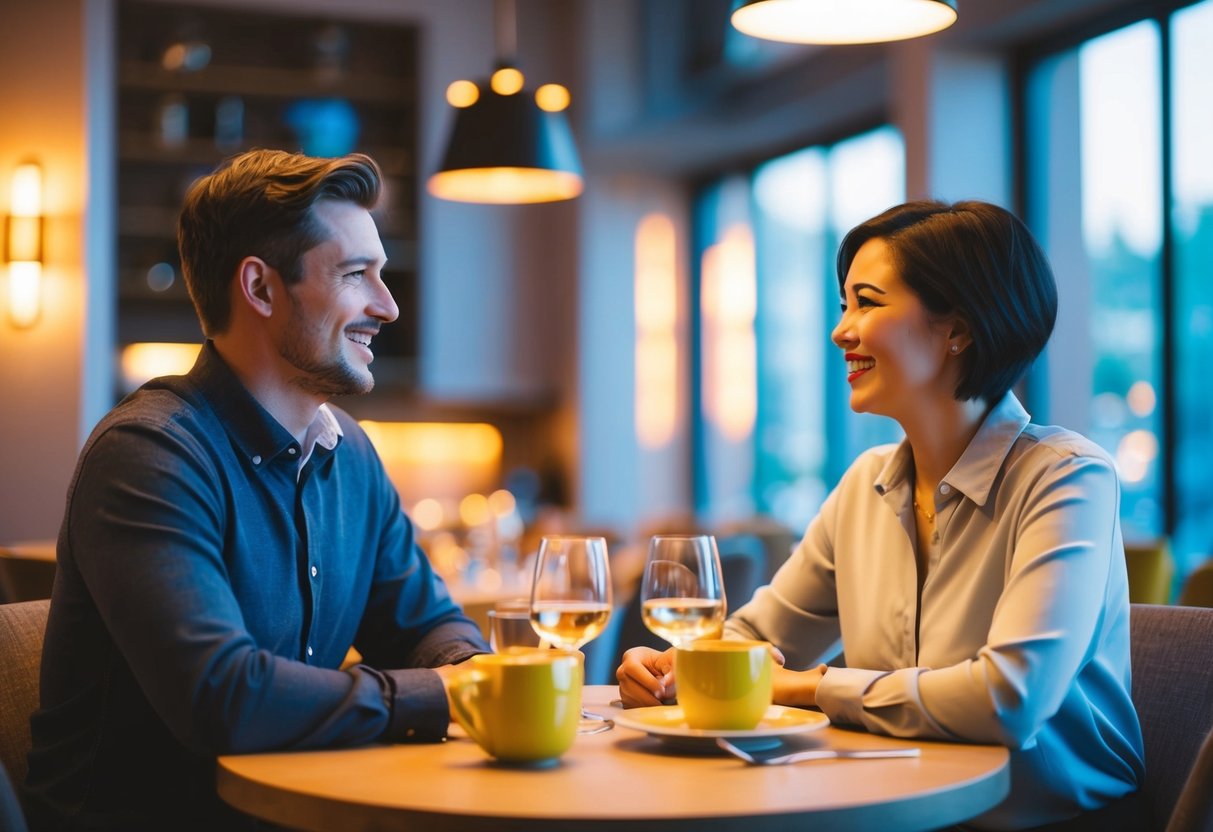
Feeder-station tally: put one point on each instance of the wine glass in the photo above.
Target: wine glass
(571, 597)
(681, 592)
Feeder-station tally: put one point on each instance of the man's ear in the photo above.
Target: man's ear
(258, 285)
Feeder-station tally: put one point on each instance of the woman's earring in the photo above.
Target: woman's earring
(955, 349)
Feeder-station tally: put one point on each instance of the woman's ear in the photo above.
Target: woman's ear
(959, 336)
(257, 285)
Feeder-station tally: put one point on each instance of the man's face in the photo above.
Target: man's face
(338, 305)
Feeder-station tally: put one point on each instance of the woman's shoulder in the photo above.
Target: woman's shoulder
(1052, 442)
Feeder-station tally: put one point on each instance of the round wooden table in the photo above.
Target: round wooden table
(620, 779)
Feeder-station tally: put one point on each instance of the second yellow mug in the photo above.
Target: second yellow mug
(520, 706)
(724, 684)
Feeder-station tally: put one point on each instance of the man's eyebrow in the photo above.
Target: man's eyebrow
(357, 261)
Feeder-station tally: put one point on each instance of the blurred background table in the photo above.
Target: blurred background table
(27, 570)
(620, 779)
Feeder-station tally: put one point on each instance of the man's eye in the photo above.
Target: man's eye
(358, 275)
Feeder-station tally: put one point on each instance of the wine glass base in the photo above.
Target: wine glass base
(592, 723)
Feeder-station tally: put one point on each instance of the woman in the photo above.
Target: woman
(974, 572)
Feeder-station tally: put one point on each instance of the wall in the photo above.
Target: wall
(491, 333)
(42, 115)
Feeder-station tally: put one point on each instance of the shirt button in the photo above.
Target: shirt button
(309, 649)
(257, 459)
(412, 732)
(315, 571)
(290, 451)
(945, 489)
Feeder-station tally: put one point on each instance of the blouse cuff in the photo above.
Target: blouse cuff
(840, 693)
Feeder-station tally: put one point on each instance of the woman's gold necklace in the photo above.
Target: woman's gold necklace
(930, 515)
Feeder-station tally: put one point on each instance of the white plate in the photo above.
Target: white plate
(667, 722)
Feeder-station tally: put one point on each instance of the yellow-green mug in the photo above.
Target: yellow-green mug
(520, 706)
(724, 684)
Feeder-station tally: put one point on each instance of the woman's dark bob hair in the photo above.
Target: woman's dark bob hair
(978, 262)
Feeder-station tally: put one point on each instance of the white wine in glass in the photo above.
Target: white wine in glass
(571, 598)
(682, 592)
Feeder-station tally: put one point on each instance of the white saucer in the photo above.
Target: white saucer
(667, 723)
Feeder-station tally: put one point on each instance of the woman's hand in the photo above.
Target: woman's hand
(646, 677)
(797, 688)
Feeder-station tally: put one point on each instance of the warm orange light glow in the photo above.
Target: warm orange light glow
(462, 94)
(437, 459)
(502, 502)
(145, 361)
(505, 186)
(1135, 454)
(23, 246)
(656, 311)
(428, 514)
(474, 509)
(729, 302)
(27, 190)
(552, 98)
(843, 21)
(24, 293)
(506, 81)
(1142, 398)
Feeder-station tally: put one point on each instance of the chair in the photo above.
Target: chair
(1150, 568)
(1172, 653)
(1194, 811)
(1198, 587)
(777, 539)
(22, 627)
(742, 568)
(12, 818)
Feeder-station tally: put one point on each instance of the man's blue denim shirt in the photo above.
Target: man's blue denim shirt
(207, 592)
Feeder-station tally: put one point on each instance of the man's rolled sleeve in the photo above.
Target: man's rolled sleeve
(418, 706)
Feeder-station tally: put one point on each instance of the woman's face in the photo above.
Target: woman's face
(898, 357)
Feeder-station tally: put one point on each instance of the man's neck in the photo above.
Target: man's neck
(259, 370)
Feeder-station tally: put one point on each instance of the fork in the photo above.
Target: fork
(816, 754)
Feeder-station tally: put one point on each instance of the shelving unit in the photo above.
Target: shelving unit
(197, 84)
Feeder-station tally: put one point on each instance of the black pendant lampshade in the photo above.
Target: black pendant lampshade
(843, 21)
(508, 147)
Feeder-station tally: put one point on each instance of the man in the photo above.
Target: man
(228, 534)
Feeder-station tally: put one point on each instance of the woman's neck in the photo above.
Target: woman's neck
(938, 435)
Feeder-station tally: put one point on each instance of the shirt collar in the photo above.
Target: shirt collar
(974, 473)
(254, 431)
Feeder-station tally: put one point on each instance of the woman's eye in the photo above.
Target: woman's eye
(862, 301)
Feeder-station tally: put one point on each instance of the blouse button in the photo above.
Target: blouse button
(290, 451)
(309, 649)
(315, 571)
(945, 489)
(257, 459)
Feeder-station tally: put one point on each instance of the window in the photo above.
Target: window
(1126, 217)
(774, 428)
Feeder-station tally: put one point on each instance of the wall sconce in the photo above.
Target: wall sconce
(23, 246)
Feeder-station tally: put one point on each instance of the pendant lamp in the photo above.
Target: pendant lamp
(508, 144)
(843, 21)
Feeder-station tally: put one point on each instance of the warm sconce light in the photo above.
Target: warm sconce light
(145, 361)
(23, 246)
(843, 21)
(442, 460)
(508, 145)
